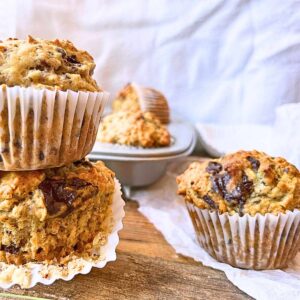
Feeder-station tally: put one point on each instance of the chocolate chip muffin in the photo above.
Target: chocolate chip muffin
(134, 97)
(51, 215)
(55, 64)
(245, 208)
(136, 129)
(50, 104)
(243, 182)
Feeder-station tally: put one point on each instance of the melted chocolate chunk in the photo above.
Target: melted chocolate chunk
(58, 192)
(209, 201)
(254, 162)
(41, 155)
(219, 183)
(72, 59)
(12, 249)
(214, 167)
(239, 195)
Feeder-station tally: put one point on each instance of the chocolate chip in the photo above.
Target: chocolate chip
(39, 250)
(219, 183)
(60, 192)
(72, 59)
(239, 195)
(254, 162)
(1, 158)
(18, 144)
(286, 170)
(214, 167)
(62, 52)
(12, 249)
(209, 201)
(83, 162)
(41, 155)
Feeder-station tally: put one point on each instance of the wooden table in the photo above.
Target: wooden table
(146, 268)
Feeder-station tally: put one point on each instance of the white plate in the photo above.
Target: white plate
(182, 136)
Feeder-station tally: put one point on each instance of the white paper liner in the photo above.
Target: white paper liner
(257, 242)
(41, 128)
(153, 101)
(28, 275)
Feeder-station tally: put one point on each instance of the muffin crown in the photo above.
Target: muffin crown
(55, 64)
(243, 182)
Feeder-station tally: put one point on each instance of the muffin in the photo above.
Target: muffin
(134, 97)
(54, 214)
(136, 129)
(244, 208)
(50, 104)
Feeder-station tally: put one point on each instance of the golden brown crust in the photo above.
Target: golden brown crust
(55, 64)
(50, 214)
(133, 129)
(243, 182)
(126, 100)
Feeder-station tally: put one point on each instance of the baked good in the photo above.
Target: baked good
(53, 214)
(50, 104)
(55, 64)
(245, 208)
(134, 97)
(133, 129)
(244, 182)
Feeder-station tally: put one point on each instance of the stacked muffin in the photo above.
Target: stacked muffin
(138, 119)
(54, 203)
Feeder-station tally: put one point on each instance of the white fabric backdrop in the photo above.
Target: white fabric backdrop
(217, 61)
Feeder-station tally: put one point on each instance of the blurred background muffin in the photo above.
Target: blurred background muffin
(134, 97)
(134, 128)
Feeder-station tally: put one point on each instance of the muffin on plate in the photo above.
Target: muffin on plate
(50, 104)
(244, 208)
(134, 97)
(136, 129)
(54, 214)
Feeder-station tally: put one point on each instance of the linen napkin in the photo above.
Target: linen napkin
(160, 204)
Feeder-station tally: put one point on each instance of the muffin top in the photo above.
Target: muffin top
(133, 129)
(52, 192)
(243, 182)
(126, 100)
(55, 64)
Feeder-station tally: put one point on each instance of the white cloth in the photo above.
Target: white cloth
(160, 204)
(228, 62)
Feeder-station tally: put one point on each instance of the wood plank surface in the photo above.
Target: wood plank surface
(146, 268)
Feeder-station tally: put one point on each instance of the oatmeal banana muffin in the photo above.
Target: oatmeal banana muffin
(245, 208)
(50, 104)
(133, 129)
(244, 182)
(53, 214)
(55, 64)
(134, 97)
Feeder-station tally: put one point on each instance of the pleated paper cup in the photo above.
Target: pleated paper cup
(29, 274)
(41, 128)
(153, 101)
(257, 242)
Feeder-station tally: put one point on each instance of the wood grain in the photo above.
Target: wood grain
(146, 268)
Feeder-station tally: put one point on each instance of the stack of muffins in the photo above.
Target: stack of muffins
(138, 119)
(53, 202)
